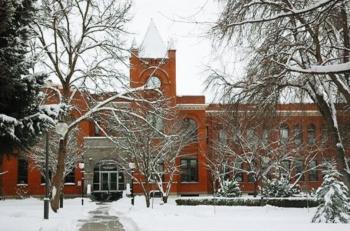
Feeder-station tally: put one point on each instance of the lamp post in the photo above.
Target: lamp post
(132, 167)
(81, 166)
(46, 199)
(61, 129)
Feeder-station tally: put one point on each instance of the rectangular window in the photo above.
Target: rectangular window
(70, 177)
(159, 172)
(238, 167)
(22, 172)
(298, 133)
(189, 170)
(313, 171)
(299, 170)
(43, 176)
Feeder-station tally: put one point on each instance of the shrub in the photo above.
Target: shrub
(279, 188)
(278, 202)
(230, 189)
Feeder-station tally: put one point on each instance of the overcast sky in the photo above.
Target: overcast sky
(174, 20)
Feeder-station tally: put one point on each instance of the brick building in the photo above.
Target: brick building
(153, 63)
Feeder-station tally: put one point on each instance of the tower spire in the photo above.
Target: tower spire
(152, 45)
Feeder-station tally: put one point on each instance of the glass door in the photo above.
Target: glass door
(104, 181)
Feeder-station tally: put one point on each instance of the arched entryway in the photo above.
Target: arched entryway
(108, 181)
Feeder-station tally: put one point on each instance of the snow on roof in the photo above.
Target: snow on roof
(152, 45)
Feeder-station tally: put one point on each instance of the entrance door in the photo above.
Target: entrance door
(107, 178)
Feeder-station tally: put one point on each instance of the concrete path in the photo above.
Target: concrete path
(100, 220)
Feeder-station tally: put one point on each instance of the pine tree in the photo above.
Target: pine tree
(334, 198)
(21, 120)
(230, 189)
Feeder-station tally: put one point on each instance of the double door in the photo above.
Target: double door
(109, 181)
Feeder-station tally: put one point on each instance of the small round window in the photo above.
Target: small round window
(153, 82)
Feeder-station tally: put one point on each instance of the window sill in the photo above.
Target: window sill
(189, 182)
(69, 184)
(22, 184)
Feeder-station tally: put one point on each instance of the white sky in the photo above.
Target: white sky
(193, 47)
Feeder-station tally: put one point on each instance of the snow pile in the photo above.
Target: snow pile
(170, 217)
(27, 214)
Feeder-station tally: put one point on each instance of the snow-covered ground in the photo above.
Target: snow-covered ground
(18, 215)
(170, 217)
(27, 214)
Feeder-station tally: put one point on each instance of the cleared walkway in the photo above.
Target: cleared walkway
(100, 220)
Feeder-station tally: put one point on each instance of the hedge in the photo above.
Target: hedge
(278, 202)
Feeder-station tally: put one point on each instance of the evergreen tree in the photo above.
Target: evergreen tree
(230, 189)
(21, 119)
(334, 198)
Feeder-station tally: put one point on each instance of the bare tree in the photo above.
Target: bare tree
(153, 146)
(299, 49)
(73, 157)
(245, 146)
(79, 43)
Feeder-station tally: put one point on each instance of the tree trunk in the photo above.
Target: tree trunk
(256, 183)
(148, 201)
(165, 199)
(57, 182)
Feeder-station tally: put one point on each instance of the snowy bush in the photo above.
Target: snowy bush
(230, 189)
(334, 198)
(295, 202)
(279, 188)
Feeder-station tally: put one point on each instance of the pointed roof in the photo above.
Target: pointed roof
(152, 45)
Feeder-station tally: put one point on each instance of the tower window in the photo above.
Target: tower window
(153, 82)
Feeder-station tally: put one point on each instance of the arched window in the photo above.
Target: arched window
(236, 132)
(265, 136)
(311, 134)
(222, 136)
(324, 136)
(284, 134)
(298, 135)
(190, 128)
(153, 82)
(156, 121)
(251, 137)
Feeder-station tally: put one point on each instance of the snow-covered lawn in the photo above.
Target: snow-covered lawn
(170, 217)
(27, 214)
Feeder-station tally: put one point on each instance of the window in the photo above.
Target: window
(43, 176)
(251, 172)
(298, 135)
(189, 170)
(285, 168)
(299, 169)
(156, 121)
(284, 134)
(313, 171)
(324, 136)
(238, 166)
(159, 172)
(190, 127)
(222, 136)
(22, 172)
(70, 177)
(265, 137)
(236, 134)
(251, 138)
(311, 134)
(153, 82)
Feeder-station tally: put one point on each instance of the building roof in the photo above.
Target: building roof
(152, 45)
